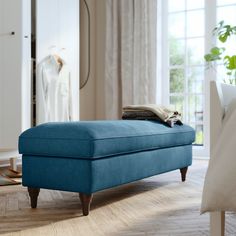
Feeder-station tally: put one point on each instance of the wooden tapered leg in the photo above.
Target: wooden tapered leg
(33, 193)
(85, 201)
(183, 172)
(217, 223)
(13, 163)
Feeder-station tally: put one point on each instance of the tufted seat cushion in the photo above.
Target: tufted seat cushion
(99, 139)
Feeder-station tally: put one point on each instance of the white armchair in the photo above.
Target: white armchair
(220, 97)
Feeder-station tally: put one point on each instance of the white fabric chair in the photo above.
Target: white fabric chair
(220, 97)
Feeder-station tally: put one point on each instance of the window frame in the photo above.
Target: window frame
(210, 15)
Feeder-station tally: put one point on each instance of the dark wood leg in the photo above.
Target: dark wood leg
(183, 172)
(85, 201)
(33, 193)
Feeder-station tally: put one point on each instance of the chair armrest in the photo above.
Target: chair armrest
(220, 97)
(229, 93)
(216, 111)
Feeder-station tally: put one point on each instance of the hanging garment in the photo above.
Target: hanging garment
(53, 92)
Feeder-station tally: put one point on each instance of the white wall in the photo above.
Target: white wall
(57, 28)
(100, 58)
(92, 100)
(87, 94)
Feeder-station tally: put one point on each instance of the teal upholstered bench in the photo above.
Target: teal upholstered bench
(87, 157)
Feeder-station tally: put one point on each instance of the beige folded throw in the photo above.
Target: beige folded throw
(164, 113)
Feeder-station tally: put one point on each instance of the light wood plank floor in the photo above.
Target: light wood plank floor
(161, 205)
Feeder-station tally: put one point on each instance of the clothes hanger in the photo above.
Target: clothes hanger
(56, 56)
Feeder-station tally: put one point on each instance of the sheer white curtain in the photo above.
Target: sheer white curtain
(130, 68)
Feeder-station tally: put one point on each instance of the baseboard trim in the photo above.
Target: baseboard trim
(6, 163)
(201, 158)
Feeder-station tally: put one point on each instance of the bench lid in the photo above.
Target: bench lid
(98, 139)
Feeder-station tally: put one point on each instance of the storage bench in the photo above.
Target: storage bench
(89, 156)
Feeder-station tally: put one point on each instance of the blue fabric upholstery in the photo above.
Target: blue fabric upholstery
(99, 139)
(89, 176)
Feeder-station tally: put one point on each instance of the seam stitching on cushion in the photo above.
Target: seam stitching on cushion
(134, 136)
(90, 147)
(110, 154)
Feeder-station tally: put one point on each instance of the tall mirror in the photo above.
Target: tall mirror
(84, 43)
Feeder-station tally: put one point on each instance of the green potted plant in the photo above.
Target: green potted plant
(218, 55)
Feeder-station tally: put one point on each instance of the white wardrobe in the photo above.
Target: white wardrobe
(15, 93)
(55, 25)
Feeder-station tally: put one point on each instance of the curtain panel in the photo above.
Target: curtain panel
(131, 58)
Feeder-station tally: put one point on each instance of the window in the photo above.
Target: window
(226, 11)
(186, 38)
(185, 48)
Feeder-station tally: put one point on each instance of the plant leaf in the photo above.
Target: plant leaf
(230, 62)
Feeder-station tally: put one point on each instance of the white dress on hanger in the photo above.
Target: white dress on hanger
(53, 91)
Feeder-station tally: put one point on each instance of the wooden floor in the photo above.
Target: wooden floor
(161, 205)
